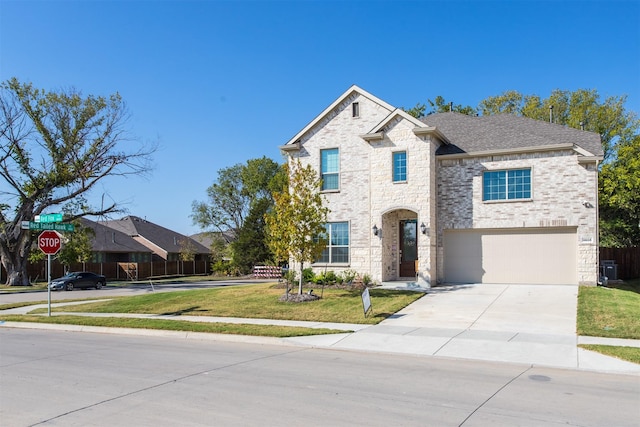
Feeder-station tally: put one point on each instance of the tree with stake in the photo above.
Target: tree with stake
(296, 225)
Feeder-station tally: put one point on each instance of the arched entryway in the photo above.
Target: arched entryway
(399, 245)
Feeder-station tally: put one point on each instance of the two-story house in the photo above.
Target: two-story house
(452, 198)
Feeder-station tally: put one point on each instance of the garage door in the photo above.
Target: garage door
(540, 256)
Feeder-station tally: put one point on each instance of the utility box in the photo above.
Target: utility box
(609, 269)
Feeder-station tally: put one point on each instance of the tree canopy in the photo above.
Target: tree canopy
(236, 205)
(54, 147)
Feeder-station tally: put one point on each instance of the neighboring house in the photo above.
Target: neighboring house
(165, 244)
(111, 245)
(452, 198)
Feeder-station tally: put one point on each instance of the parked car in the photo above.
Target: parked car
(78, 279)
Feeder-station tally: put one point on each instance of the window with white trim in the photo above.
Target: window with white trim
(337, 249)
(330, 169)
(513, 184)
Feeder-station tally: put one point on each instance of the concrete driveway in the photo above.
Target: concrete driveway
(531, 324)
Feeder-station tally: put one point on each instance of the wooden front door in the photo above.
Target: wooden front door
(408, 247)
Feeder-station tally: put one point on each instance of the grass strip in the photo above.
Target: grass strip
(175, 325)
(629, 354)
(607, 312)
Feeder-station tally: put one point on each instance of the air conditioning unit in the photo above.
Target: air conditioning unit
(609, 269)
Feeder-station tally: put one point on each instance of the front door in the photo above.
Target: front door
(408, 247)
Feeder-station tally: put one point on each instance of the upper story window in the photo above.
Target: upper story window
(355, 109)
(506, 185)
(400, 166)
(337, 249)
(330, 169)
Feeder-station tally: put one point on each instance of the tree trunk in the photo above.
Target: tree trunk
(14, 244)
(301, 279)
(16, 267)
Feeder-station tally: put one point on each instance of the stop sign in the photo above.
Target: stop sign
(49, 242)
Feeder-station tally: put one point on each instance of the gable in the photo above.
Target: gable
(331, 111)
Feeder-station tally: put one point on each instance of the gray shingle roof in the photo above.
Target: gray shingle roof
(162, 237)
(470, 134)
(107, 239)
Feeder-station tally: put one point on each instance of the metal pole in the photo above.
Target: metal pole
(49, 284)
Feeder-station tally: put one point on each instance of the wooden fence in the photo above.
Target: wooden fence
(627, 260)
(118, 270)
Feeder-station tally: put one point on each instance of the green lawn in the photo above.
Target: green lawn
(608, 312)
(611, 313)
(258, 301)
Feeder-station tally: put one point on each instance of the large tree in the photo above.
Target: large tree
(619, 188)
(439, 105)
(296, 225)
(236, 205)
(54, 147)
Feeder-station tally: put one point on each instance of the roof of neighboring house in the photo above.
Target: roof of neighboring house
(110, 240)
(158, 236)
(206, 238)
(469, 134)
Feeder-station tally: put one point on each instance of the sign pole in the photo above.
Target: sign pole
(49, 283)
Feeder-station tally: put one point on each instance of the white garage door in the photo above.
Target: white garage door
(540, 256)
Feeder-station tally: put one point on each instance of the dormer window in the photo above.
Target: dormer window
(355, 109)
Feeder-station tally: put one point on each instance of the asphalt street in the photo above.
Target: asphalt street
(79, 379)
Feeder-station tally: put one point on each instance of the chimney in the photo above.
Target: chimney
(550, 113)
(581, 125)
(451, 106)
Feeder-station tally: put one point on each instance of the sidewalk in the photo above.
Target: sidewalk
(499, 323)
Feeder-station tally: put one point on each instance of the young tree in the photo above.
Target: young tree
(77, 245)
(296, 225)
(54, 148)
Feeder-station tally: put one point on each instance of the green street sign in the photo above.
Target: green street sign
(51, 226)
(55, 217)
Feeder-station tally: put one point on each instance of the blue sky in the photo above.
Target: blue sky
(216, 83)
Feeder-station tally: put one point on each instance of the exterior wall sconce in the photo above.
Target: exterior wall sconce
(376, 230)
(423, 228)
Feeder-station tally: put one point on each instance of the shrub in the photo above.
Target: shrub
(348, 276)
(221, 267)
(330, 277)
(308, 275)
(366, 279)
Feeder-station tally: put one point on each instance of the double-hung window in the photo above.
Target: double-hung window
(400, 166)
(330, 169)
(514, 184)
(337, 249)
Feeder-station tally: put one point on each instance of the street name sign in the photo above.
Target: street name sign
(54, 217)
(57, 226)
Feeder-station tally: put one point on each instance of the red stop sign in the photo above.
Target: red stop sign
(49, 242)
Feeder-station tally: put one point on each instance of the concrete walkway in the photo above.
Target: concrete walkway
(528, 324)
